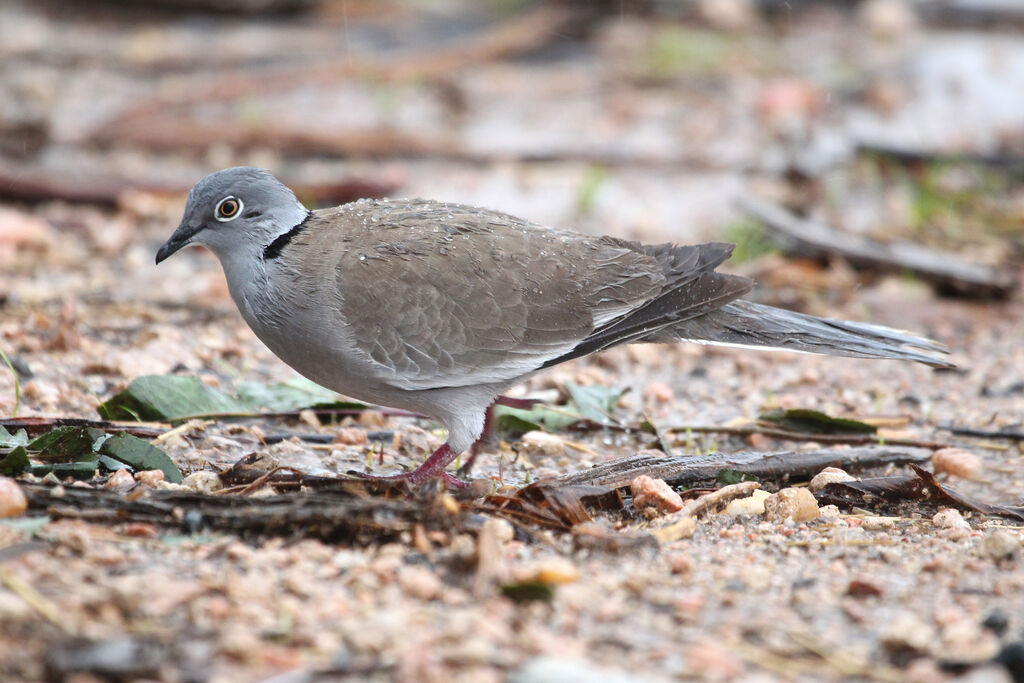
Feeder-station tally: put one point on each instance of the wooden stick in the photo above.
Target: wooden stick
(816, 240)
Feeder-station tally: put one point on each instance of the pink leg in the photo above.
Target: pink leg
(485, 436)
(431, 468)
(488, 431)
(521, 403)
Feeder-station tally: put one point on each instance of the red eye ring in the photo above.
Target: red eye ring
(228, 208)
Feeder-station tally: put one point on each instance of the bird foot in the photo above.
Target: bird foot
(432, 467)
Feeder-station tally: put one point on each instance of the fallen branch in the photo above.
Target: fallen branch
(906, 155)
(790, 435)
(35, 184)
(171, 132)
(680, 434)
(40, 425)
(1014, 434)
(340, 516)
(920, 486)
(526, 31)
(945, 270)
(703, 470)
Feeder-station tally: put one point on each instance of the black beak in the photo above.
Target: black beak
(181, 238)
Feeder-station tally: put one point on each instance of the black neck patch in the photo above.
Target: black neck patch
(273, 250)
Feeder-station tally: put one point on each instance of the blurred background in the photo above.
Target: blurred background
(877, 144)
(888, 119)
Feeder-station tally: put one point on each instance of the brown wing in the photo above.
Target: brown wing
(444, 295)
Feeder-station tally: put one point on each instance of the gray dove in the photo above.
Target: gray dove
(438, 308)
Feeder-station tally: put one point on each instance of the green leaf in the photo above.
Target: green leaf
(506, 420)
(173, 398)
(726, 477)
(595, 403)
(296, 394)
(140, 455)
(170, 398)
(816, 422)
(648, 426)
(519, 421)
(113, 465)
(83, 469)
(65, 444)
(15, 462)
(528, 591)
(8, 440)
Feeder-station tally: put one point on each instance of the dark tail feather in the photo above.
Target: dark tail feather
(744, 323)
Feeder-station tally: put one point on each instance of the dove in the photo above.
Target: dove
(439, 308)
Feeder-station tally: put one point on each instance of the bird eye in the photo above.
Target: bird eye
(228, 208)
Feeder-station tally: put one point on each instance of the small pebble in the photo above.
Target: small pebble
(240, 641)
(374, 419)
(502, 530)
(888, 19)
(906, 631)
(13, 502)
(751, 505)
(203, 481)
(729, 15)
(949, 518)
(681, 563)
(351, 436)
(537, 442)
(997, 622)
(863, 588)
(413, 439)
(658, 392)
(121, 479)
(170, 486)
(419, 582)
(139, 530)
(829, 511)
(878, 523)
(958, 462)
(557, 570)
(760, 442)
(951, 524)
(236, 550)
(797, 504)
(829, 475)
(150, 477)
(999, 544)
(654, 494)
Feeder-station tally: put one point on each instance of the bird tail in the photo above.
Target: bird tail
(747, 324)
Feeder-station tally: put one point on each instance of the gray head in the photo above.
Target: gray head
(235, 211)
